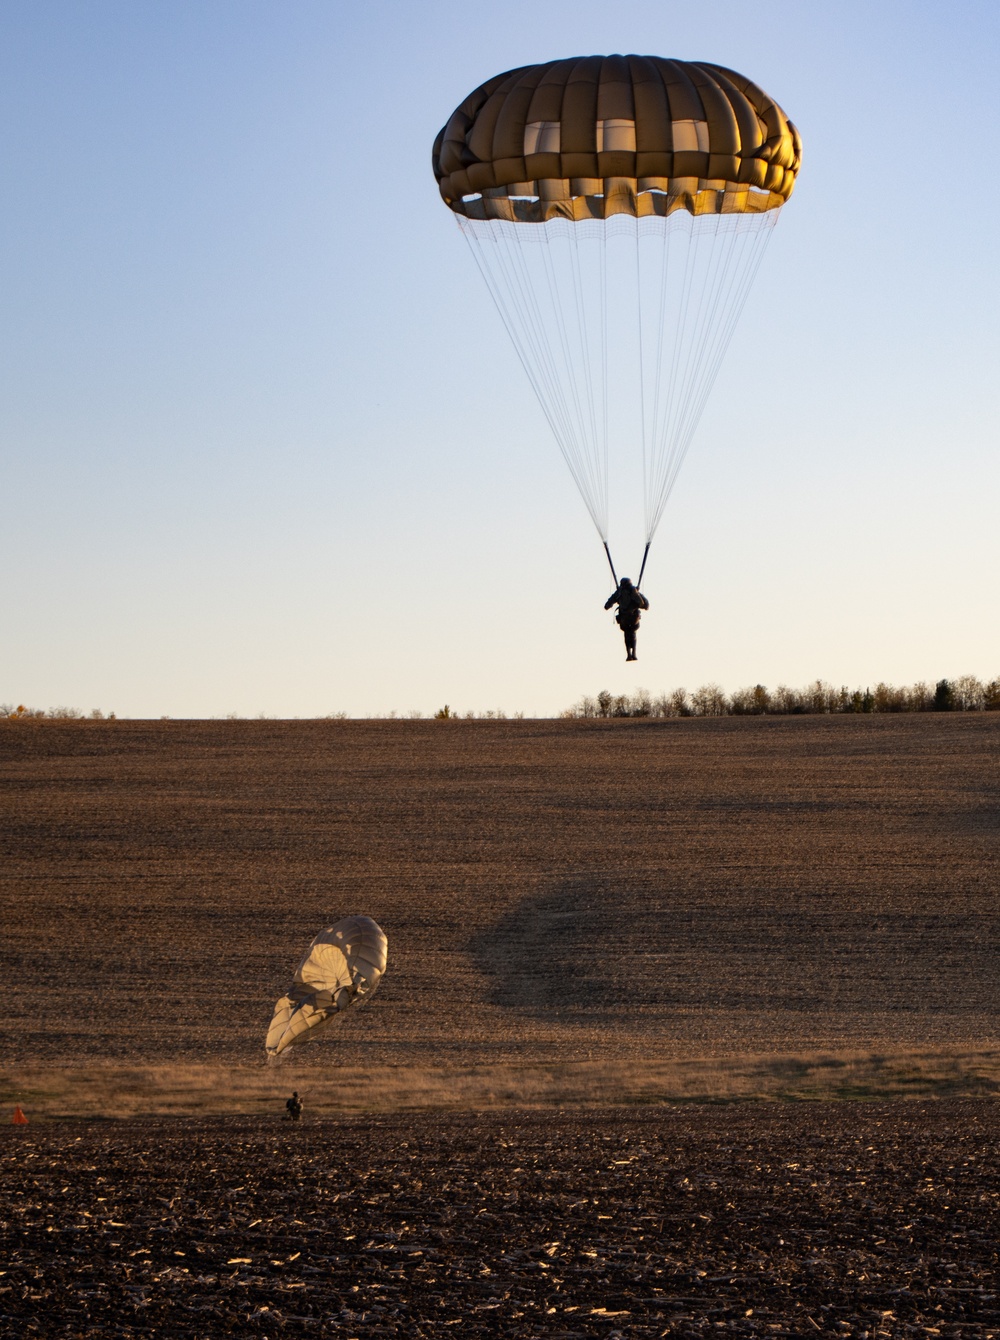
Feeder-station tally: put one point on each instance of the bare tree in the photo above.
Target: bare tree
(969, 694)
(750, 702)
(709, 701)
(786, 701)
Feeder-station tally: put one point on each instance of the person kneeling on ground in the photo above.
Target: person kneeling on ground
(631, 602)
(294, 1107)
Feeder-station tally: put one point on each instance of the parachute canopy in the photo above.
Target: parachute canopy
(618, 208)
(342, 967)
(594, 136)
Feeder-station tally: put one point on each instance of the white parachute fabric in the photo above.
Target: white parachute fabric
(341, 968)
(621, 325)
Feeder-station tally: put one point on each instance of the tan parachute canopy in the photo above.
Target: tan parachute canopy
(342, 967)
(595, 136)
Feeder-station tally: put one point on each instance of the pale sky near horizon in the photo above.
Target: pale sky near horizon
(266, 447)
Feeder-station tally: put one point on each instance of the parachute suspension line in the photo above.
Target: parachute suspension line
(520, 337)
(661, 328)
(713, 293)
(595, 445)
(684, 369)
(757, 247)
(502, 264)
(741, 262)
(736, 296)
(654, 506)
(558, 286)
(598, 445)
(571, 440)
(642, 379)
(703, 316)
(567, 362)
(604, 370)
(522, 290)
(578, 446)
(563, 390)
(718, 283)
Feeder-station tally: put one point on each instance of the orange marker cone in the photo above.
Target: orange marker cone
(19, 1118)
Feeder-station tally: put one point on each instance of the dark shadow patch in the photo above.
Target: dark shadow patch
(595, 946)
(551, 951)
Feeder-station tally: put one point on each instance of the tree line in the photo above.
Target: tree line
(964, 694)
(21, 713)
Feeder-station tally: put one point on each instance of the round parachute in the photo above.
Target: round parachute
(600, 135)
(342, 967)
(684, 166)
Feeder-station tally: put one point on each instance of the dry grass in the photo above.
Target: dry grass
(115, 1091)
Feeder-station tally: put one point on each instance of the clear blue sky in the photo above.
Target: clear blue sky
(251, 454)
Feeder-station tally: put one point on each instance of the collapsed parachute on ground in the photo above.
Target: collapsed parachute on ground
(689, 164)
(341, 968)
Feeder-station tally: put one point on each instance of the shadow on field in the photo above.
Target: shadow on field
(594, 946)
(552, 951)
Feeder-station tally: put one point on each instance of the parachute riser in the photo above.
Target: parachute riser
(610, 563)
(645, 555)
(642, 569)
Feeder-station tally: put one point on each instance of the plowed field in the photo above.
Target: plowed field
(575, 911)
(861, 1220)
(553, 891)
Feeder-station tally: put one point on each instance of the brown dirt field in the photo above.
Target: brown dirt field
(855, 1219)
(557, 894)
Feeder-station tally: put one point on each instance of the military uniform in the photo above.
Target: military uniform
(631, 602)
